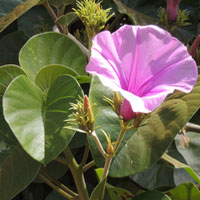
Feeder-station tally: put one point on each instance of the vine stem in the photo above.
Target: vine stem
(59, 184)
(55, 187)
(88, 165)
(192, 127)
(109, 158)
(53, 16)
(85, 156)
(77, 174)
(98, 143)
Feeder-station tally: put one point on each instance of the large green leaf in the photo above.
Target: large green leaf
(48, 74)
(141, 149)
(185, 191)
(51, 48)
(16, 11)
(38, 121)
(17, 169)
(7, 74)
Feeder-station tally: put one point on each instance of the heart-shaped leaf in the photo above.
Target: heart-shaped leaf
(51, 48)
(48, 74)
(37, 119)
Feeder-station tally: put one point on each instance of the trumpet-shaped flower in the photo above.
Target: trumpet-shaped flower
(144, 64)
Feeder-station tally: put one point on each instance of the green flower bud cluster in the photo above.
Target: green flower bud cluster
(83, 115)
(92, 14)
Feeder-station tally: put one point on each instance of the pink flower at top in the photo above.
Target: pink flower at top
(144, 64)
(172, 9)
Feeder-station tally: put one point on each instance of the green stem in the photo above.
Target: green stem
(53, 16)
(61, 160)
(98, 143)
(85, 156)
(192, 127)
(77, 174)
(90, 33)
(89, 40)
(109, 157)
(55, 187)
(119, 139)
(59, 184)
(88, 165)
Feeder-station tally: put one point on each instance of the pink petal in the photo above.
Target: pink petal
(104, 61)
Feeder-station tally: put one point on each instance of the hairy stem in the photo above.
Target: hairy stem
(77, 174)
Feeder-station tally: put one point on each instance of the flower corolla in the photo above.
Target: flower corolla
(144, 64)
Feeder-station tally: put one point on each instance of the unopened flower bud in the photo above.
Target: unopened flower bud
(89, 114)
(110, 148)
(84, 116)
(195, 45)
(126, 111)
(172, 10)
(117, 101)
(86, 103)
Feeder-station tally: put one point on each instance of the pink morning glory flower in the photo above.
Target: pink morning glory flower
(172, 9)
(144, 64)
